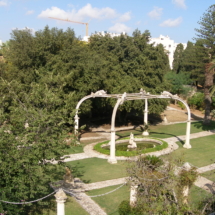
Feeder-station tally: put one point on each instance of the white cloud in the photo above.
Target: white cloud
(156, 13)
(29, 12)
(171, 22)
(32, 30)
(180, 3)
(3, 3)
(78, 15)
(119, 28)
(124, 17)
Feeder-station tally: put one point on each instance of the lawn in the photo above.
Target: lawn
(80, 148)
(111, 201)
(96, 169)
(165, 131)
(209, 175)
(201, 154)
(71, 208)
(196, 196)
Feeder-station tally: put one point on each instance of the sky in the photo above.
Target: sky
(175, 18)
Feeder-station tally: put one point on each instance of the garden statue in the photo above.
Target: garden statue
(68, 178)
(132, 144)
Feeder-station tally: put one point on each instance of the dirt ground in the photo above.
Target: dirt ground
(181, 115)
(173, 114)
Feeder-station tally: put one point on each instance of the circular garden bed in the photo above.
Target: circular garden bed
(144, 145)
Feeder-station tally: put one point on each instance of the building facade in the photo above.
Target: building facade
(169, 46)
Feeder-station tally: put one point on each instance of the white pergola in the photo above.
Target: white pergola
(121, 98)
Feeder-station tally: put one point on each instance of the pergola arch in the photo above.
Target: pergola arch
(132, 96)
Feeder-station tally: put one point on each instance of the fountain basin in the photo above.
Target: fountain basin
(144, 145)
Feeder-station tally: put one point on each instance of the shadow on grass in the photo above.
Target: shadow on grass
(200, 125)
(77, 171)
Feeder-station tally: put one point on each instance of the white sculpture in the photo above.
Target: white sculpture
(132, 144)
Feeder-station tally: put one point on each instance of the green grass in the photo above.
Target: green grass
(196, 196)
(80, 148)
(209, 175)
(96, 169)
(201, 153)
(165, 131)
(71, 208)
(111, 201)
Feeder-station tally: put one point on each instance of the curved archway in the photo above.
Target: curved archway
(133, 96)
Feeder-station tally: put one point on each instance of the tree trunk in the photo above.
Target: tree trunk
(208, 84)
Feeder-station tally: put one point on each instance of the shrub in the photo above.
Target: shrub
(181, 105)
(197, 101)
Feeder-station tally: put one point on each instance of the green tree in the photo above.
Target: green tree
(159, 190)
(33, 131)
(206, 31)
(178, 57)
(177, 82)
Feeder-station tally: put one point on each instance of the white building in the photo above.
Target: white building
(0, 42)
(169, 46)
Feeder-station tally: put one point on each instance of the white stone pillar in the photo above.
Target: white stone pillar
(76, 126)
(145, 132)
(146, 112)
(187, 141)
(112, 158)
(76, 123)
(133, 195)
(60, 199)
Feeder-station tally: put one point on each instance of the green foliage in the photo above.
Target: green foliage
(195, 56)
(187, 178)
(159, 188)
(196, 101)
(126, 209)
(98, 148)
(181, 105)
(177, 82)
(178, 57)
(206, 30)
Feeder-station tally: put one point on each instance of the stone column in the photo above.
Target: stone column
(112, 158)
(146, 113)
(60, 199)
(76, 123)
(145, 132)
(187, 141)
(76, 127)
(133, 195)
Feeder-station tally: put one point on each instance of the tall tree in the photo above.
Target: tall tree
(206, 33)
(178, 56)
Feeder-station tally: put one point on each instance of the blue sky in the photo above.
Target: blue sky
(175, 18)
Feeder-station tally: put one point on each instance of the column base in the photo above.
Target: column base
(187, 146)
(145, 133)
(112, 160)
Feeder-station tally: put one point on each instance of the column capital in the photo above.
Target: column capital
(60, 196)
